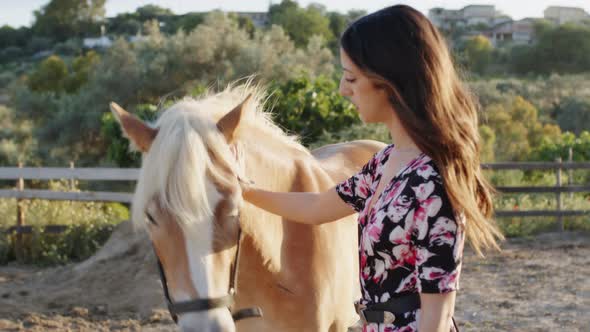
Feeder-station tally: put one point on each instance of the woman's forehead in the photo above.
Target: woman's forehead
(346, 63)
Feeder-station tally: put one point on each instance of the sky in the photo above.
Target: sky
(20, 13)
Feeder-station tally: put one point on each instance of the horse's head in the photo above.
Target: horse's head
(189, 197)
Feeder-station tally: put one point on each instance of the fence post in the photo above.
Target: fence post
(570, 172)
(559, 198)
(20, 218)
(72, 180)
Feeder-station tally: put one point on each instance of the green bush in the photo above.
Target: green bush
(70, 47)
(573, 114)
(10, 53)
(6, 78)
(558, 147)
(89, 224)
(514, 226)
(76, 243)
(310, 108)
(50, 76)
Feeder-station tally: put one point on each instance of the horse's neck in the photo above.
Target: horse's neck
(292, 170)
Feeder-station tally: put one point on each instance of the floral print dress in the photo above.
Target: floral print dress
(409, 240)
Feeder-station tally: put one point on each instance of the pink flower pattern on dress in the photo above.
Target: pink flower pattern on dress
(409, 240)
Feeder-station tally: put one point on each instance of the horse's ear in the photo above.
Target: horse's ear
(139, 133)
(230, 122)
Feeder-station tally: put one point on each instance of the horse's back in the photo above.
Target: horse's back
(342, 160)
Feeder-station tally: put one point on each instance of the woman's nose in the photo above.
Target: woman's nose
(343, 89)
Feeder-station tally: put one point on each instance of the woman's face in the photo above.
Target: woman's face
(371, 101)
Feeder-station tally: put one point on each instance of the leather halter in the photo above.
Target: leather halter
(204, 304)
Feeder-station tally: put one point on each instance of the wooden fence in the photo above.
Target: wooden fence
(558, 189)
(19, 174)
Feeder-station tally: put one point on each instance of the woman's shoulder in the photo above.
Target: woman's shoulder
(378, 159)
(383, 154)
(422, 169)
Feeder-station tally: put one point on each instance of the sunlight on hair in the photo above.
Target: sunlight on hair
(176, 168)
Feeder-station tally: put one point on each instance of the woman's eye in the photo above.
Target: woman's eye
(350, 80)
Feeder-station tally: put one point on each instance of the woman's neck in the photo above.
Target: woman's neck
(401, 140)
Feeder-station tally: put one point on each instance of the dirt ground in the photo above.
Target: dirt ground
(535, 284)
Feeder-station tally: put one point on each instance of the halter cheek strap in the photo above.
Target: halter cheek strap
(226, 301)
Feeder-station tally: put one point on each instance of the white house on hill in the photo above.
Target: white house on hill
(467, 16)
(101, 42)
(516, 32)
(561, 15)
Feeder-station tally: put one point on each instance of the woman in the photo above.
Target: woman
(419, 197)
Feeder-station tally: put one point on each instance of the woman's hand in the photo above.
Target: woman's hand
(245, 184)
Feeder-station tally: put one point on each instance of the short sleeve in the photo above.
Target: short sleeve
(438, 239)
(355, 190)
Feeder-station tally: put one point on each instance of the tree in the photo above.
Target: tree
(338, 23)
(558, 147)
(124, 24)
(63, 19)
(246, 24)
(10, 53)
(559, 49)
(187, 22)
(516, 128)
(478, 51)
(50, 76)
(160, 68)
(574, 115)
(81, 68)
(488, 140)
(152, 12)
(14, 37)
(300, 24)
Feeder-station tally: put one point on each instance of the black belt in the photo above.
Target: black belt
(386, 312)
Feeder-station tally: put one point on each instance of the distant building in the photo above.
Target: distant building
(516, 32)
(445, 18)
(137, 38)
(101, 42)
(260, 19)
(479, 14)
(467, 16)
(561, 15)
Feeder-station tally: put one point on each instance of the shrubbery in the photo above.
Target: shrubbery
(89, 226)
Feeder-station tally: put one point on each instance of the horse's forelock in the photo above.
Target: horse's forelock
(189, 149)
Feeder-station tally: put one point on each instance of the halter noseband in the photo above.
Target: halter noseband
(211, 303)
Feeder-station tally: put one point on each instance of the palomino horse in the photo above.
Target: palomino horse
(304, 278)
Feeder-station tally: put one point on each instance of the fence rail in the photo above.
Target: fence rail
(536, 165)
(52, 173)
(19, 174)
(88, 196)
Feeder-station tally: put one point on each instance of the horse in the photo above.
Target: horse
(188, 196)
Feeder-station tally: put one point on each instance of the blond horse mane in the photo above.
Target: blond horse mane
(177, 164)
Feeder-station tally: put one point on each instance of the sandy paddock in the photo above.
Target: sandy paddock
(536, 284)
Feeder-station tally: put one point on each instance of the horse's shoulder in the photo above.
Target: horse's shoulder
(341, 160)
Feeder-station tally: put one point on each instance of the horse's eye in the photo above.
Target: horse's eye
(151, 219)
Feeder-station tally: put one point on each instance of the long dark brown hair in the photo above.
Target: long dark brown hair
(401, 51)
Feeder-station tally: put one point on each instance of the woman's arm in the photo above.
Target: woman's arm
(303, 207)
(436, 312)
